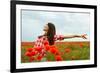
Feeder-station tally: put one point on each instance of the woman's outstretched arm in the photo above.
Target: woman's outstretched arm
(76, 36)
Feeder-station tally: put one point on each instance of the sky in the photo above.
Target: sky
(66, 23)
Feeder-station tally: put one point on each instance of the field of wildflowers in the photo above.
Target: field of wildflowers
(61, 51)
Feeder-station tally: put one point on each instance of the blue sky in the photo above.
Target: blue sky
(66, 23)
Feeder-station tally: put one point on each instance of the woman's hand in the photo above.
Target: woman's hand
(84, 36)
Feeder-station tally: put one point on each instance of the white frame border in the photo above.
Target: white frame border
(20, 65)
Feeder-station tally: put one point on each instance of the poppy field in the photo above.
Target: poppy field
(62, 51)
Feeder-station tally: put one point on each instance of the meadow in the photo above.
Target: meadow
(68, 51)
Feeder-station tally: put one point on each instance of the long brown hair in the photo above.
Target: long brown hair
(51, 32)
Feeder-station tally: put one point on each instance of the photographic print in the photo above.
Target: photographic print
(51, 36)
(54, 36)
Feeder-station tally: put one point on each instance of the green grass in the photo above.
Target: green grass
(77, 52)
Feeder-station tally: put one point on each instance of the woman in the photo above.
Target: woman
(46, 41)
(51, 37)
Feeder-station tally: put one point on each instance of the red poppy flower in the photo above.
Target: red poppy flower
(31, 59)
(33, 53)
(39, 49)
(46, 43)
(29, 49)
(39, 58)
(57, 53)
(47, 47)
(81, 45)
(28, 54)
(67, 50)
(53, 50)
(58, 58)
